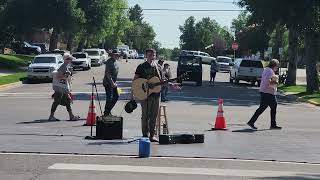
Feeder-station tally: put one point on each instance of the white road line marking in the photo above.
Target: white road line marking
(171, 158)
(173, 170)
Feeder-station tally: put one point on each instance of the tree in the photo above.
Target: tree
(206, 32)
(140, 35)
(135, 14)
(240, 23)
(188, 37)
(57, 15)
(299, 17)
(175, 54)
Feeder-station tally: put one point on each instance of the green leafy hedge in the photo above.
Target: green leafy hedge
(14, 61)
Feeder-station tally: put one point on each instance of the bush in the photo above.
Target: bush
(14, 61)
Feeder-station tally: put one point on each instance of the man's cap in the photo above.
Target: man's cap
(68, 56)
(130, 106)
(150, 50)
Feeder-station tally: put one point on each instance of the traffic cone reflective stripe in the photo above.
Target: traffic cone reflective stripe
(92, 115)
(220, 123)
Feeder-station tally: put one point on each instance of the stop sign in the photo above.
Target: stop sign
(235, 46)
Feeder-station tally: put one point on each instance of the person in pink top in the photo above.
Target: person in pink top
(268, 90)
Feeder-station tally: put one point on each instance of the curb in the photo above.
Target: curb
(11, 85)
(297, 98)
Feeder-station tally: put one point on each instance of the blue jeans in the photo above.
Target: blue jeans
(164, 92)
(265, 101)
(112, 97)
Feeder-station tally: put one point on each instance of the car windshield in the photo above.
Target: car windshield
(224, 60)
(77, 56)
(44, 60)
(189, 60)
(27, 44)
(251, 63)
(93, 53)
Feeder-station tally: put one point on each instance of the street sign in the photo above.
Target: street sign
(235, 46)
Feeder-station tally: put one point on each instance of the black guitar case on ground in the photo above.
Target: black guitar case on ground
(181, 138)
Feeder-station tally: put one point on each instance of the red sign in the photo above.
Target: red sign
(235, 46)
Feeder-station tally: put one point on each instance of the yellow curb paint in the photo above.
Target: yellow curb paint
(5, 86)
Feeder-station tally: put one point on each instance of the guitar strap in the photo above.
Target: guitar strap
(157, 68)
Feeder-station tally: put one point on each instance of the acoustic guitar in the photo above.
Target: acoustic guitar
(141, 86)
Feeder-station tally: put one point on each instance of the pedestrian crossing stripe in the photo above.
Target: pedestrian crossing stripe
(176, 170)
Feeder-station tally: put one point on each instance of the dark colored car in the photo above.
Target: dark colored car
(192, 66)
(56, 51)
(26, 48)
(43, 46)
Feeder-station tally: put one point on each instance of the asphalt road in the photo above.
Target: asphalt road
(24, 129)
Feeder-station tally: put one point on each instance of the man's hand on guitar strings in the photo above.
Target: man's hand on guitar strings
(175, 86)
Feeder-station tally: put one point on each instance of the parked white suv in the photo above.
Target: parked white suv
(104, 55)
(246, 70)
(95, 56)
(133, 54)
(43, 66)
(81, 60)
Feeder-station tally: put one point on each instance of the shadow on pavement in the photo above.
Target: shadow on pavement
(243, 94)
(37, 134)
(45, 121)
(298, 176)
(114, 142)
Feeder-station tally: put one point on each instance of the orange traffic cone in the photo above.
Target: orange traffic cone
(92, 115)
(220, 120)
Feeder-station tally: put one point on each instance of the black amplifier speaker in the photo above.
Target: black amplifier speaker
(109, 127)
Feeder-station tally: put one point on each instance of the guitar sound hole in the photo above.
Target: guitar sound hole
(144, 88)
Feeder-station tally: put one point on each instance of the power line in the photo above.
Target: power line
(202, 1)
(193, 10)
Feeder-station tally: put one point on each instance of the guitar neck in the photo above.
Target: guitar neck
(163, 82)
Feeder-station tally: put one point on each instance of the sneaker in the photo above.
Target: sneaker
(52, 118)
(153, 139)
(252, 126)
(74, 118)
(275, 127)
(106, 115)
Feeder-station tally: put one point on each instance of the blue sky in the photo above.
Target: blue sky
(166, 24)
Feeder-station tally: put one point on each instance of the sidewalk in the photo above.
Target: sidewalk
(6, 72)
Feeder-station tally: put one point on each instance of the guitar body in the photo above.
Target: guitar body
(140, 87)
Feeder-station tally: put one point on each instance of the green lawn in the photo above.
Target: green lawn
(294, 89)
(14, 61)
(300, 91)
(13, 78)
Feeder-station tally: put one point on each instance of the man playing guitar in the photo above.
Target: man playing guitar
(150, 106)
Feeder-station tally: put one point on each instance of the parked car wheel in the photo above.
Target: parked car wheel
(259, 83)
(237, 81)
(231, 80)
